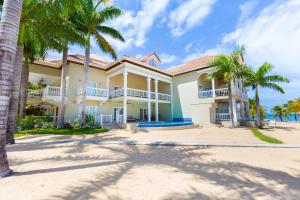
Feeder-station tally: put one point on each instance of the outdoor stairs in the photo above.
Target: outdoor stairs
(113, 125)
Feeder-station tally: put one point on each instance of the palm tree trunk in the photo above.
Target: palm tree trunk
(296, 119)
(61, 111)
(15, 97)
(257, 105)
(9, 30)
(230, 106)
(84, 85)
(24, 88)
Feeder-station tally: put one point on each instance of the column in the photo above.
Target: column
(149, 98)
(242, 110)
(107, 85)
(213, 87)
(235, 119)
(247, 109)
(171, 89)
(125, 74)
(156, 100)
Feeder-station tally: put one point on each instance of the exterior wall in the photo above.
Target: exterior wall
(39, 69)
(186, 102)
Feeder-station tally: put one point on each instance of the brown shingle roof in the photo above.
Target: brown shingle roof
(195, 64)
(102, 64)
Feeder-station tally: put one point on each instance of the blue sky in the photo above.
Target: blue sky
(180, 30)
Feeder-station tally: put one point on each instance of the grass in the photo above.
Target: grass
(54, 131)
(265, 138)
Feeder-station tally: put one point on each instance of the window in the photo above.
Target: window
(152, 62)
(91, 85)
(91, 110)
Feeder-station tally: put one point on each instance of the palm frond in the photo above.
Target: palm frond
(105, 46)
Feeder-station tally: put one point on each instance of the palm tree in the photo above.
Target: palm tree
(90, 21)
(294, 107)
(281, 112)
(229, 68)
(9, 29)
(66, 9)
(262, 78)
(252, 104)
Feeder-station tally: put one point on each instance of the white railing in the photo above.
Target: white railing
(35, 94)
(117, 93)
(164, 97)
(213, 93)
(206, 93)
(51, 91)
(106, 119)
(240, 93)
(137, 93)
(222, 116)
(221, 92)
(96, 92)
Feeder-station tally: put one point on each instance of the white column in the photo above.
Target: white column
(149, 98)
(125, 74)
(107, 85)
(213, 87)
(235, 118)
(242, 110)
(156, 100)
(171, 89)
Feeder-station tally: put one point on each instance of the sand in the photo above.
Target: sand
(119, 172)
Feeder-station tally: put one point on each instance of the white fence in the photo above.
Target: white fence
(51, 91)
(212, 93)
(117, 93)
(35, 94)
(106, 119)
(96, 92)
(137, 93)
(165, 97)
(222, 116)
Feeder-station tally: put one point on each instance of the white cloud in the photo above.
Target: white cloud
(188, 15)
(135, 26)
(246, 10)
(166, 58)
(272, 36)
(188, 47)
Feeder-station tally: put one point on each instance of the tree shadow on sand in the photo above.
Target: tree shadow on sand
(233, 176)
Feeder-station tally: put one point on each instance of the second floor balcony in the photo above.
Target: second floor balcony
(139, 94)
(93, 93)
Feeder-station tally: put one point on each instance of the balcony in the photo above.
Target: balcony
(139, 94)
(222, 117)
(94, 93)
(213, 93)
(35, 94)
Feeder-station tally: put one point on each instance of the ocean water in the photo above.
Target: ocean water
(290, 119)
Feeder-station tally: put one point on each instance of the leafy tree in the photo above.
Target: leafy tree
(281, 112)
(294, 107)
(230, 68)
(252, 105)
(262, 78)
(90, 20)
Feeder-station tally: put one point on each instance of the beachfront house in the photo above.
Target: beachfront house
(131, 90)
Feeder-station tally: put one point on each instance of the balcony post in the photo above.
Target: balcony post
(235, 119)
(107, 86)
(149, 98)
(213, 87)
(171, 92)
(242, 110)
(156, 100)
(125, 74)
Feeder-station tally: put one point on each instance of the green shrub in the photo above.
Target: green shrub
(27, 123)
(76, 123)
(35, 110)
(30, 122)
(67, 125)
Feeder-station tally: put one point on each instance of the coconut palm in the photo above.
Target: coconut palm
(294, 107)
(91, 22)
(252, 105)
(9, 29)
(281, 112)
(230, 68)
(262, 78)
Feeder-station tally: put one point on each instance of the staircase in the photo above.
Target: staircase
(112, 125)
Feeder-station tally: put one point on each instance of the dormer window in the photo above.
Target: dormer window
(152, 62)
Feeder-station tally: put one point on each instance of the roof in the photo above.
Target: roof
(196, 64)
(144, 58)
(94, 61)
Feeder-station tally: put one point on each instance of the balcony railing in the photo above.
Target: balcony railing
(140, 94)
(213, 93)
(222, 116)
(51, 91)
(35, 94)
(96, 92)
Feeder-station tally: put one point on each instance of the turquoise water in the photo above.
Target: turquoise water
(291, 118)
(163, 124)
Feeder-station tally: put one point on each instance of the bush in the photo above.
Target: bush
(30, 122)
(76, 123)
(90, 122)
(35, 110)
(67, 125)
